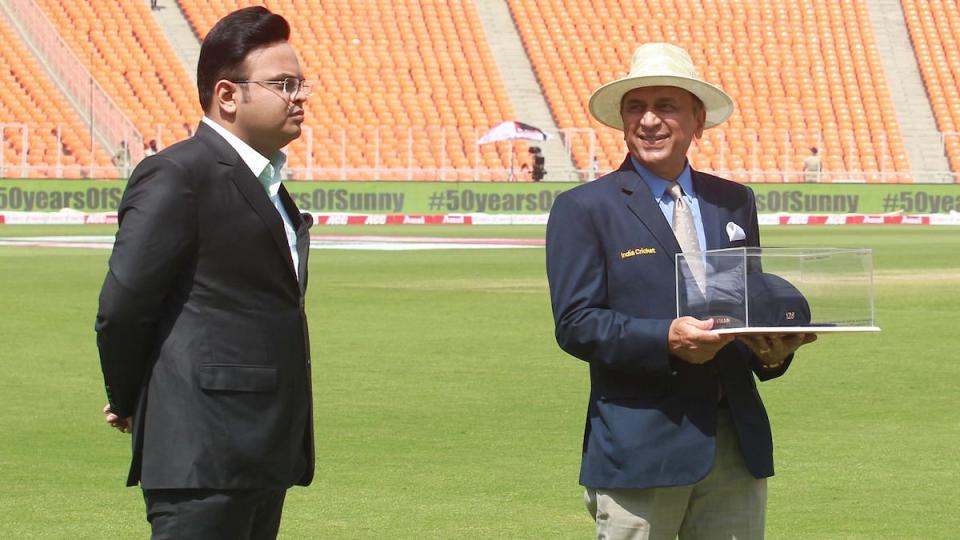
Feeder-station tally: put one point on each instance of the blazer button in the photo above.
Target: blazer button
(302, 303)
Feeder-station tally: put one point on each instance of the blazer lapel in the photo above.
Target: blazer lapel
(253, 192)
(250, 187)
(642, 204)
(301, 226)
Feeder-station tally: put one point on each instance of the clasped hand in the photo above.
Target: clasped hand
(125, 425)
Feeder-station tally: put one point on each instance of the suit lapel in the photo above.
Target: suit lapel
(250, 187)
(301, 225)
(253, 192)
(641, 203)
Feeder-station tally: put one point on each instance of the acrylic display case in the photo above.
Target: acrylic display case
(778, 290)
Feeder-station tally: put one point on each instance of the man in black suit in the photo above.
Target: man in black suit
(201, 328)
(677, 441)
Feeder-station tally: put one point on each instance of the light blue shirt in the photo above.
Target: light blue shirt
(258, 164)
(658, 186)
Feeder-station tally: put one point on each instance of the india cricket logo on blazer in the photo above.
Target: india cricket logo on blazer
(637, 251)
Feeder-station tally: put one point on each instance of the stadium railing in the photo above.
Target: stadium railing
(453, 154)
(91, 100)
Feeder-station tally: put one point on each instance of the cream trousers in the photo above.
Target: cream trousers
(728, 504)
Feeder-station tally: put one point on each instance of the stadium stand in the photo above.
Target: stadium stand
(934, 27)
(407, 86)
(130, 57)
(34, 108)
(802, 72)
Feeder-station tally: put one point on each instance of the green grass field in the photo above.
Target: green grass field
(444, 408)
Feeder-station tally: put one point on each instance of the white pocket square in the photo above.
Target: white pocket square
(734, 232)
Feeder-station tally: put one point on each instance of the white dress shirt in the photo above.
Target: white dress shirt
(658, 186)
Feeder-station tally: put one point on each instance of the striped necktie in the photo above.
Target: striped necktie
(685, 230)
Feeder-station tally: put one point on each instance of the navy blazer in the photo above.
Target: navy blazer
(652, 418)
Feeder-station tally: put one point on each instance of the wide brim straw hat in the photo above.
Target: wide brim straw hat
(660, 64)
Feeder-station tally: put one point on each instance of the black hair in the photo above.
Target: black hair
(228, 43)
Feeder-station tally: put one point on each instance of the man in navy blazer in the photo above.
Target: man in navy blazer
(677, 441)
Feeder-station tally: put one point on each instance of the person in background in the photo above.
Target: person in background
(812, 166)
(538, 168)
(121, 158)
(593, 170)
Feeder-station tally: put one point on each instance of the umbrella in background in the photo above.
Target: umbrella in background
(509, 131)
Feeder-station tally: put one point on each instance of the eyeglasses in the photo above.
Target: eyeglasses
(290, 86)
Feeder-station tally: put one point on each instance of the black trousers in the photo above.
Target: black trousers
(209, 514)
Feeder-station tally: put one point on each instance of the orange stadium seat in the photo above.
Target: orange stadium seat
(57, 139)
(404, 84)
(791, 91)
(128, 54)
(934, 27)
(405, 87)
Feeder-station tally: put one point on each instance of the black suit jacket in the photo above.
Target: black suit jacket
(652, 418)
(201, 328)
